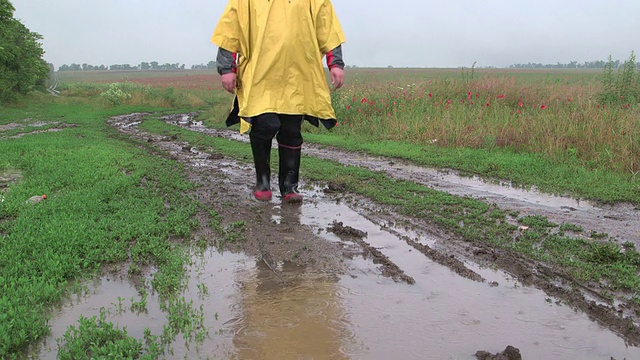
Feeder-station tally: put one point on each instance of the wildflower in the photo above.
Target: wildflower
(569, 99)
(449, 101)
(501, 96)
(520, 103)
(477, 95)
(364, 100)
(348, 106)
(488, 104)
(543, 107)
(430, 95)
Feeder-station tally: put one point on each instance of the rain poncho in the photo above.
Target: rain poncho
(280, 44)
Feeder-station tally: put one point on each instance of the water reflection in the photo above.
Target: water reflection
(286, 312)
(289, 316)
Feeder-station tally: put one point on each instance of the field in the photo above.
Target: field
(519, 187)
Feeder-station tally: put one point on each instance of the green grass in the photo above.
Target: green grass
(108, 202)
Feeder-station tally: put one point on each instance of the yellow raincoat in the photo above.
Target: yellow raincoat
(280, 44)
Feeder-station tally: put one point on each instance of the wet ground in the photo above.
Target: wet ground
(336, 279)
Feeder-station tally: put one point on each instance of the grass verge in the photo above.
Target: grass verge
(108, 202)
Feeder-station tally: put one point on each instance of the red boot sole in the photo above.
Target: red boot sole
(263, 195)
(293, 198)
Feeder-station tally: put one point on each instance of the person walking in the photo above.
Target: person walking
(270, 56)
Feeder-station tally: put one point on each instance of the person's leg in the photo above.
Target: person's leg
(289, 149)
(263, 128)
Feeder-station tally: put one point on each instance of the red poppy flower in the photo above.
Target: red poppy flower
(543, 107)
(430, 95)
(520, 103)
(488, 104)
(348, 106)
(364, 100)
(501, 96)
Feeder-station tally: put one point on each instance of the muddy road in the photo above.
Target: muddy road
(337, 278)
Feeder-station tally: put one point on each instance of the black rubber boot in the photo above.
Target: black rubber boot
(262, 161)
(288, 174)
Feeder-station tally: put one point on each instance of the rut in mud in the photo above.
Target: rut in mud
(371, 289)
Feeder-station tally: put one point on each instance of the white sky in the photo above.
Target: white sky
(414, 33)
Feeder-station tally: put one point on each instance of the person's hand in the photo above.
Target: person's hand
(337, 77)
(229, 82)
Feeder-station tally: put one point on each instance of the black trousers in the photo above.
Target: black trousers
(286, 129)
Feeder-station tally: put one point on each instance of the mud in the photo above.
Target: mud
(332, 280)
(388, 269)
(510, 353)
(28, 122)
(620, 220)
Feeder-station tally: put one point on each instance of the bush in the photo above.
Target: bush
(116, 94)
(622, 88)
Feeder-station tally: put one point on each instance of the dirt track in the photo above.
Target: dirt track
(274, 234)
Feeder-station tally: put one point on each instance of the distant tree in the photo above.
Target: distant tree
(145, 66)
(211, 65)
(154, 65)
(22, 68)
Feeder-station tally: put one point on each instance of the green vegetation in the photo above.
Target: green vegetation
(623, 88)
(109, 201)
(22, 68)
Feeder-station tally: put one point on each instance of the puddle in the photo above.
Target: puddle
(288, 312)
(255, 308)
(621, 221)
(447, 316)
(8, 177)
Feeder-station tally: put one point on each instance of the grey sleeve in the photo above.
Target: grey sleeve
(225, 61)
(334, 58)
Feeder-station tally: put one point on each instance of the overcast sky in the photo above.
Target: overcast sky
(413, 33)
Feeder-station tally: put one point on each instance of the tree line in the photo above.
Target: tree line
(598, 64)
(22, 68)
(153, 65)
